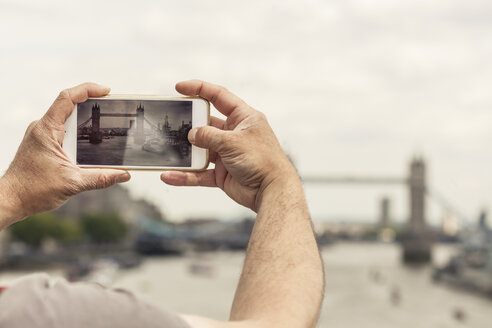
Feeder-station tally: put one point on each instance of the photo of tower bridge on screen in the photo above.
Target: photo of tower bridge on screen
(134, 132)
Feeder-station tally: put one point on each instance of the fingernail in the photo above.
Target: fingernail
(123, 177)
(191, 135)
(106, 87)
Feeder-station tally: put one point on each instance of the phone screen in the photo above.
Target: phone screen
(134, 132)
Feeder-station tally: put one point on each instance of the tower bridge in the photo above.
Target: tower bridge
(417, 239)
(96, 135)
(176, 138)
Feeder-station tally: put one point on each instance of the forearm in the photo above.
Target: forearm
(282, 280)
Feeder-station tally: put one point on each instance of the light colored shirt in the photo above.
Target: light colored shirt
(37, 300)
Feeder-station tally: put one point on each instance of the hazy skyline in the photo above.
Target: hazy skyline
(350, 86)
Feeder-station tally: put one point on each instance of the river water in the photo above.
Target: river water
(354, 297)
(361, 282)
(123, 150)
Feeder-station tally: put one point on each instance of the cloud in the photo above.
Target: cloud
(349, 86)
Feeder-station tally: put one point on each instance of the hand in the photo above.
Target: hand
(245, 151)
(41, 176)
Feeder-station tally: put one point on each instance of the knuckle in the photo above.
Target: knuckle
(64, 94)
(32, 125)
(217, 95)
(86, 86)
(35, 130)
(203, 135)
(260, 115)
(103, 181)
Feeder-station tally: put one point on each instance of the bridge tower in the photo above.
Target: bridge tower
(384, 214)
(96, 135)
(166, 128)
(417, 239)
(140, 136)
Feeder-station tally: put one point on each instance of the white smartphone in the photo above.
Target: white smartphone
(136, 132)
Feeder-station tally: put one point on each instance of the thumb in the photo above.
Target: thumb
(101, 178)
(207, 137)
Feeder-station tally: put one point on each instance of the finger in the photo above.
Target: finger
(64, 104)
(208, 137)
(177, 178)
(220, 173)
(217, 122)
(101, 178)
(212, 156)
(224, 100)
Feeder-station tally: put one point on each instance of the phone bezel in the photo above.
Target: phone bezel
(200, 117)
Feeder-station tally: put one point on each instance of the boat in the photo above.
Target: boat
(472, 267)
(156, 145)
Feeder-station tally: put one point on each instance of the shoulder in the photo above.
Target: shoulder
(38, 300)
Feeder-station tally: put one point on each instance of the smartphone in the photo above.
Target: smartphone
(137, 132)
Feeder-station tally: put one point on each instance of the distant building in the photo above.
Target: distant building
(480, 239)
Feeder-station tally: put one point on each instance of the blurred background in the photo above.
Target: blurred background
(383, 106)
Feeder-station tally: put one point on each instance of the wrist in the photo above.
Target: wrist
(285, 184)
(9, 206)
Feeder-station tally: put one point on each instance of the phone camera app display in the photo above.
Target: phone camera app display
(134, 132)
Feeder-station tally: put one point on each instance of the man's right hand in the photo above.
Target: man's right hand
(42, 177)
(281, 284)
(245, 151)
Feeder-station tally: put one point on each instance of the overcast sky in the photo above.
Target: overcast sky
(352, 87)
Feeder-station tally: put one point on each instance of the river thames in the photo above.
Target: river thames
(123, 150)
(366, 286)
(353, 296)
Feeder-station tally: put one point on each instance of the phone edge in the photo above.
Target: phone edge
(72, 119)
